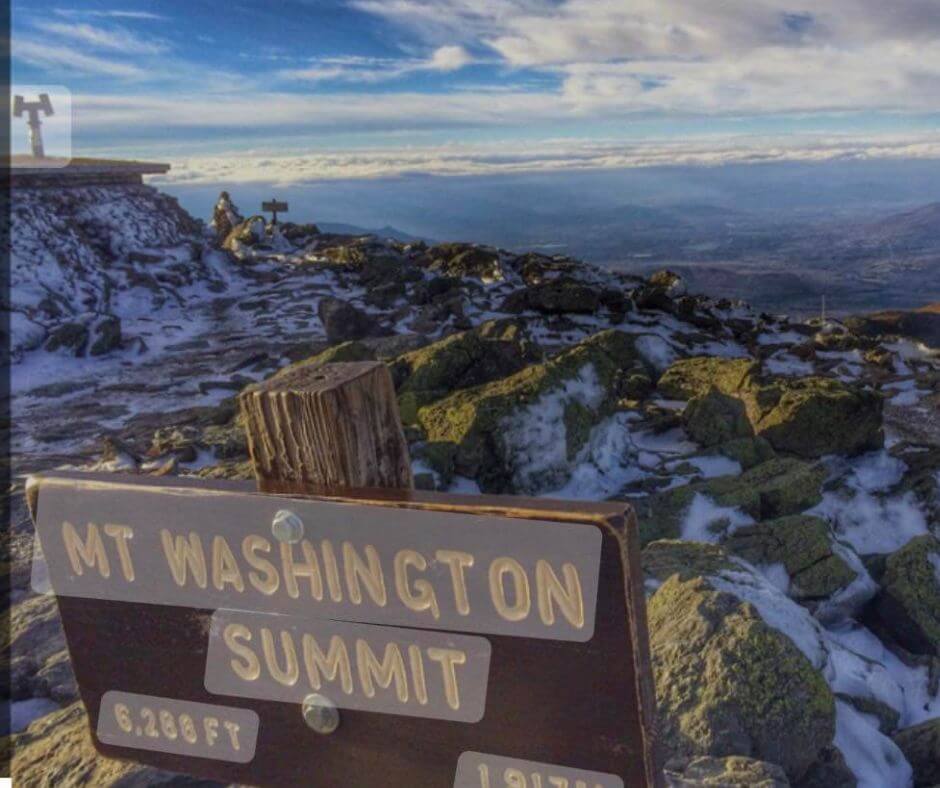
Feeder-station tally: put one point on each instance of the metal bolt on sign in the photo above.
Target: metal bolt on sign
(320, 713)
(287, 527)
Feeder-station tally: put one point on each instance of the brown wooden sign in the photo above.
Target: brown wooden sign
(380, 637)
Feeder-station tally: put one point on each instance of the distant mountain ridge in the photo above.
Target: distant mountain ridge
(393, 233)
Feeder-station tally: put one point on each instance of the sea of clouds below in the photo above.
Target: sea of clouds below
(287, 167)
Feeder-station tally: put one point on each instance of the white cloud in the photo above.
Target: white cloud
(251, 107)
(510, 157)
(111, 39)
(116, 13)
(705, 56)
(887, 76)
(367, 69)
(449, 58)
(62, 57)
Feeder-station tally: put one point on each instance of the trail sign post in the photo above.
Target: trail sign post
(272, 207)
(33, 121)
(310, 635)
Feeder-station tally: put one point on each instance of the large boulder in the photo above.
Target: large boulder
(71, 337)
(495, 350)
(747, 451)
(801, 544)
(716, 418)
(345, 351)
(909, 603)
(659, 291)
(729, 684)
(696, 377)
(343, 322)
(815, 416)
(667, 557)
(523, 432)
(921, 746)
(466, 260)
(555, 296)
(809, 417)
(731, 772)
(107, 335)
(777, 488)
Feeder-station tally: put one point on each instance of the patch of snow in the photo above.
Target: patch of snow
(725, 349)
(608, 462)
(871, 524)
(203, 459)
(656, 350)
(852, 660)
(864, 667)
(706, 521)
(909, 350)
(872, 757)
(848, 601)
(23, 712)
(875, 471)
(464, 486)
(780, 338)
(671, 442)
(650, 586)
(716, 465)
(777, 575)
(911, 397)
(670, 404)
(785, 364)
(853, 356)
(534, 437)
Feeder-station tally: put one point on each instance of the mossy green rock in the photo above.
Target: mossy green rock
(347, 351)
(696, 377)
(731, 772)
(809, 417)
(802, 544)
(921, 746)
(716, 418)
(728, 684)
(667, 557)
(780, 487)
(747, 451)
(817, 416)
(480, 421)
(555, 296)
(909, 603)
(494, 350)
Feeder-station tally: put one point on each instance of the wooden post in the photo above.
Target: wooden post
(333, 425)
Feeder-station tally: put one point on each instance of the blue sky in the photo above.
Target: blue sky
(373, 87)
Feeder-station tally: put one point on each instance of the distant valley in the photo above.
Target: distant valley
(864, 234)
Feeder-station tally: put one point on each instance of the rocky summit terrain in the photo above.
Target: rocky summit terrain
(786, 474)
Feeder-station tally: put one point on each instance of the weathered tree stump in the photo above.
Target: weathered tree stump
(332, 425)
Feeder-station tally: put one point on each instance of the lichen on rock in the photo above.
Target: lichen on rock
(909, 604)
(732, 771)
(808, 417)
(500, 426)
(494, 350)
(800, 543)
(729, 684)
(776, 488)
(921, 746)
